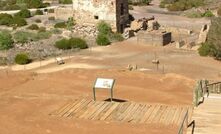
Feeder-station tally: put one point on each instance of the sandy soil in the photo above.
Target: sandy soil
(29, 98)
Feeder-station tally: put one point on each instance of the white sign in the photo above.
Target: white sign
(104, 83)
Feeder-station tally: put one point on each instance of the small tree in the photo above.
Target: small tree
(78, 43)
(5, 19)
(6, 41)
(63, 44)
(103, 28)
(24, 13)
(33, 27)
(22, 59)
(102, 40)
(39, 12)
(18, 21)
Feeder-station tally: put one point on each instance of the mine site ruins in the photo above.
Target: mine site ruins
(110, 66)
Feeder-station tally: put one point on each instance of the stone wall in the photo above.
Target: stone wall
(155, 38)
(63, 13)
(93, 11)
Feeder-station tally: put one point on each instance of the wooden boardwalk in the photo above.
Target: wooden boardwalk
(122, 112)
(207, 116)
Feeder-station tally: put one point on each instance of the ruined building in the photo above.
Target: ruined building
(90, 12)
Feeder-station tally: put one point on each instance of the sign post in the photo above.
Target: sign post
(102, 83)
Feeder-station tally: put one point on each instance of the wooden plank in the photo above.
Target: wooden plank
(111, 109)
(94, 110)
(56, 112)
(142, 113)
(165, 114)
(137, 113)
(92, 106)
(159, 115)
(77, 115)
(181, 117)
(80, 109)
(104, 111)
(74, 108)
(99, 109)
(128, 117)
(153, 114)
(114, 113)
(147, 113)
(176, 116)
(68, 108)
(126, 112)
(170, 116)
(121, 111)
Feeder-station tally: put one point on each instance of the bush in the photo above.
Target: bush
(6, 41)
(51, 18)
(24, 13)
(71, 43)
(41, 35)
(63, 44)
(5, 19)
(22, 37)
(33, 27)
(65, 1)
(18, 21)
(60, 25)
(102, 40)
(78, 43)
(42, 29)
(38, 21)
(140, 2)
(39, 12)
(206, 49)
(103, 27)
(56, 31)
(208, 14)
(22, 59)
(181, 5)
(116, 37)
(213, 36)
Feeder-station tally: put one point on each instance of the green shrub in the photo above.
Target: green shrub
(42, 29)
(38, 21)
(78, 43)
(71, 43)
(6, 41)
(208, 14)
(39, 12)
(56, 31)
(41, 35)
(5, 19)
(22, 37)
(18, 21)
(24, 13)
(181, 5)
(60, 25)
(65, 1)
(12, 7)
(51, 18)
(22, 59)
(131, 7)
(33, 27)
(63, 44)
(102, 40)
(116, 37)
(103, 27)
(206, 49)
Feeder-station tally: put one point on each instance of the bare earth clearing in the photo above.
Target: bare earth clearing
(28, 94)
(27, 98)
